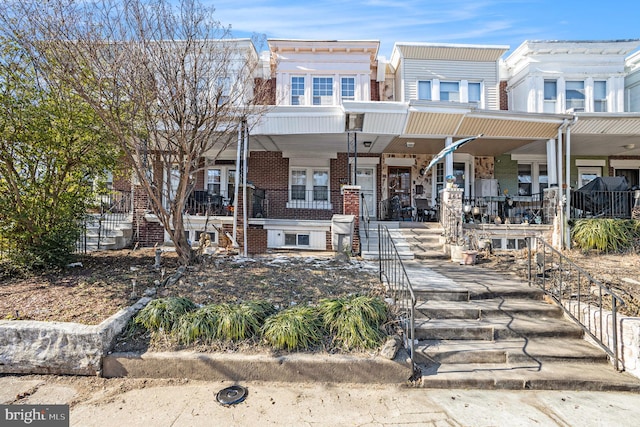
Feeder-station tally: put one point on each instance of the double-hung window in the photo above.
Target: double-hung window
(223, 89)
(533, 178)
(475, 93)
(600, 96)
(322, 90)
(450, 91)
(221, 180)
(424, 90)
(575, 95)
(297, 90)
(550, 96)
(348, 88)
(309, 188)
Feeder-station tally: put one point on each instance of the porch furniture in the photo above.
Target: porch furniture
(424, 210)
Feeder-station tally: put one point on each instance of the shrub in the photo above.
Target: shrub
(355, 320)
(607, 235)
(163, 314)
(197, 325)
(298, 327)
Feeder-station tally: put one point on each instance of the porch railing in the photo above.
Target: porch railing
(584, 299)
(604, 204)
(393, 273)
(516, 209)
(316, 204)
(108, 212)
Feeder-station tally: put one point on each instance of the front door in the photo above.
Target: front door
(367, 182)
(399, 190)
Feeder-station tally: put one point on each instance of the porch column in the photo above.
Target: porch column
(552, 162)
(351, 206)
(448, 159)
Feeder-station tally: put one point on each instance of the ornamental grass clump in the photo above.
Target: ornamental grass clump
(163, 314)
(356, 321)
(225, 321)
(298, 327)
(605, 235)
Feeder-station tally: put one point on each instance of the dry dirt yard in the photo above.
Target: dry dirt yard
(108, 281)
(105, 282)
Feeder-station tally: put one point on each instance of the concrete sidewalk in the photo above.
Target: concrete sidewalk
(126, 402)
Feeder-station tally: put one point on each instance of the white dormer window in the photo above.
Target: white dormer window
(550, 96)
(322, 90)
(574, 95)
(475, 93)
(450, 91)
(348, 88)
(424, 90)
(600, 96)
(297, 90)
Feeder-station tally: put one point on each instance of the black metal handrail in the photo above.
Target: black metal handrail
(366, 220)
(393, 273)
(575, 290)
(108, 211)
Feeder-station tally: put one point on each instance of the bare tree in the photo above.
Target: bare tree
(164, 76)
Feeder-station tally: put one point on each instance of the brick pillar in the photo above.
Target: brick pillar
(351, 206)
(146, 233)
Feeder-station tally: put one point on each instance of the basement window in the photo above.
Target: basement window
(291, 239)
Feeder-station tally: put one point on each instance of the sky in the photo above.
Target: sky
(493, 22)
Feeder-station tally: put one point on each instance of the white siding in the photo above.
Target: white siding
(485, 72)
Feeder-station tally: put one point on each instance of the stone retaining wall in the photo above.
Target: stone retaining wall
(628, 332)
(62, 348)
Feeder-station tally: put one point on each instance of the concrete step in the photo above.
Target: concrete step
(514, 350)
(495, 328)
(528, 376)
(481, 309)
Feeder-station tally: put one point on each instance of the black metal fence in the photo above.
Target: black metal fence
(604, 204)
(316, 204)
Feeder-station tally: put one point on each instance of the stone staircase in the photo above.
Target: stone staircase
(115, 231)
(369, 246)
(476, 328)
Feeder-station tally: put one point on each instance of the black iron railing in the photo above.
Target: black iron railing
(394, 275)
(604, 204)
(586, 300)
(316, 204)
(106, 214)
(515, 210)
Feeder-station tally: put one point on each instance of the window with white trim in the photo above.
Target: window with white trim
(533, 178)
(223, 89)
(348, 88)
(450, 91)
(322, 90)
(550, 96)
(475, 92)
(297, 239)
(588, 174)
(424, 90)
(221, 180)
(297, 90)
(600, 96)
(574, 93)
(309, 188)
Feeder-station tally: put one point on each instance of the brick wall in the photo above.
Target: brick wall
(256, 240)
(146, 234)
(504, 97)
